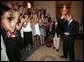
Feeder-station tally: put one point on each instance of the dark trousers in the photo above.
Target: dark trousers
(68, 47)
(28, 39)
(20, 44)
(47, 34)
(12, 48)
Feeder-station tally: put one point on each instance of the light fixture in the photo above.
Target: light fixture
(29, 5)
(64, 10)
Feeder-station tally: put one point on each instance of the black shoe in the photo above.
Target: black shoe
(57, 50)
(53, 47)
(63, 56)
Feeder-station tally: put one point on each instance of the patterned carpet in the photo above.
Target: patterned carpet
(44, 53)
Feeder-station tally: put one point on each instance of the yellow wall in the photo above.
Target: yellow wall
(48, 5)
(77, 11)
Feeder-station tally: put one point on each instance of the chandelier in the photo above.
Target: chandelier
(29, 5)
(64, 10)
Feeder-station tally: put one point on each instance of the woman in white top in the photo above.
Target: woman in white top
(36, 30)
(42, 28)
(27, 30)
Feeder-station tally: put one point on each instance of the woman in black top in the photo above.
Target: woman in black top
(10, 26)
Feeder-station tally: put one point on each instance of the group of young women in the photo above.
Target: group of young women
(23, 27)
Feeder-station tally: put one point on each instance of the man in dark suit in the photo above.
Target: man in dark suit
(62, 22)
(70, 31)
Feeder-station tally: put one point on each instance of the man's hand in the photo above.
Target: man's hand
(66, 33)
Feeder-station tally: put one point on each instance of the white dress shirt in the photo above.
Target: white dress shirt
(70, 21)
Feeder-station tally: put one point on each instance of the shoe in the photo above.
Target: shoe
(53, 47)
(29, 49)
(57, 50)
(63, 56)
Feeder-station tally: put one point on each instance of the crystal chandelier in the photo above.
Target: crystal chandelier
(29, 5)
(64, 10)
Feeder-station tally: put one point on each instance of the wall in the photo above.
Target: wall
(50, 6)
(77, 11)
(59, 7)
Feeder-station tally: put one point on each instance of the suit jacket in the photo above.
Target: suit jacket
(55, 29)
(72, 28)
(62, 24)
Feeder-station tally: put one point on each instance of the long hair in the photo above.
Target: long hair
(4, 8)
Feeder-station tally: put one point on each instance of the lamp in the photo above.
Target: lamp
(64, 10)
(29, 5)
